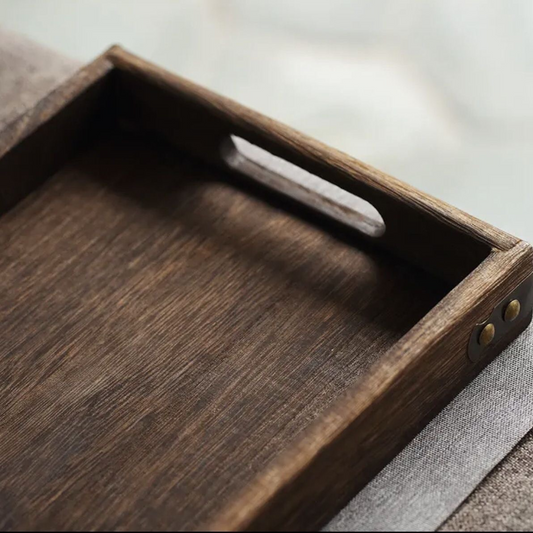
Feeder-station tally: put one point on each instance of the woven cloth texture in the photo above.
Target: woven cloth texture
(27, 73)
(504, 499)
(450, 457)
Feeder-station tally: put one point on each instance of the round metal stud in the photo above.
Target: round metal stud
(512, 310)
(487, 335)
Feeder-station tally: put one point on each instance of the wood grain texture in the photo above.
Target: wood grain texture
(183, 349)
(361, 432)
(166, 337)
(39, 142)
(420, 228)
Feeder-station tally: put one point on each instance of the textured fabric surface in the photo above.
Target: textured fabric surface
(504, 500)
(426, 482)
(27, 73)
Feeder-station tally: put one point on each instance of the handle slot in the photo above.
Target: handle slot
(299, 184)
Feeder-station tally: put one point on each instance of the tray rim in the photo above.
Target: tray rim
(434, 348)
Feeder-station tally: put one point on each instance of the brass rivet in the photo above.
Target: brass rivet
(512, 310)
(487, 335)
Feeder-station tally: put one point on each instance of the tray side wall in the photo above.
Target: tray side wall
(421, 229)
(38, 143)
(364, 430)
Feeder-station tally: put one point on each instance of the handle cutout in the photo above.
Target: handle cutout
(309, 189)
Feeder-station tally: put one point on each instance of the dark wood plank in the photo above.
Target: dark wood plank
(39, 142)
(427, 232)
(167, 334)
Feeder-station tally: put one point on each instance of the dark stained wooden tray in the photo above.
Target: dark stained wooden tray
(191, 340)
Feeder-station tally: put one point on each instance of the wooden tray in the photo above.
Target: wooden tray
(190, 339)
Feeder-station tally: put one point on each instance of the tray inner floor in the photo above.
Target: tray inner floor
(165, 335)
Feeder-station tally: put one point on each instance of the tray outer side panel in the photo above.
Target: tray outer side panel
(348, 446)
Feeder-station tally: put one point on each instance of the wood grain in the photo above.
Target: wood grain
(362, 431)
(184, 349)
(167, 334)
(420, 228)
(39, 142)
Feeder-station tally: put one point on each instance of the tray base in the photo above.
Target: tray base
(166, 332)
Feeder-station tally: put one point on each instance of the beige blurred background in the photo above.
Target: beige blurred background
(438, 92)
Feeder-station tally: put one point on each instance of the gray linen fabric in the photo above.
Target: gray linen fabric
(438, 470)
(504, 499)
(426, 482)
(27, 73)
